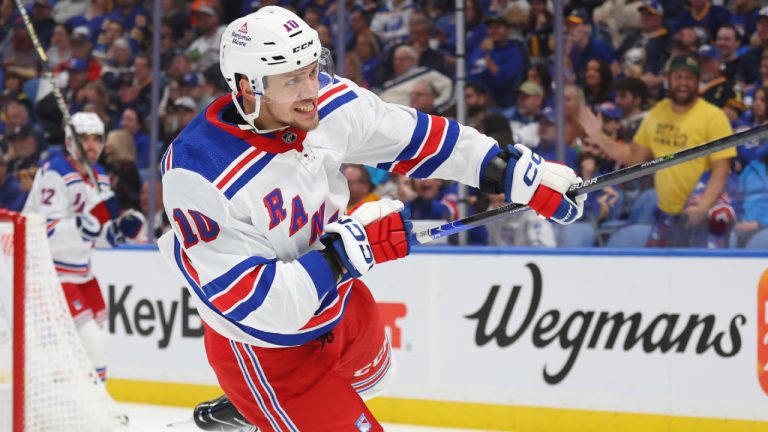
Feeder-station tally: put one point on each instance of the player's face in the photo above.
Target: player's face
(92, 144)
(291, 98)
(683, 85)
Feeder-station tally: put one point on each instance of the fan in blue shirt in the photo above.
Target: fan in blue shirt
(498, 62)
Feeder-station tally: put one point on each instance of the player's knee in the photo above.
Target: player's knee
(94, 341)
(382, 383)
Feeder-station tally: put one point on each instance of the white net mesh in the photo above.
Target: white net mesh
(62, 390)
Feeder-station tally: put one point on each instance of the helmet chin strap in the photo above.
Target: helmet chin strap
(251, 118)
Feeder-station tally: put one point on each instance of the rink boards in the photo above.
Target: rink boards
(531, 340)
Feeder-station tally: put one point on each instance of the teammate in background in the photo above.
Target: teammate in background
(77, 215)
(683, 120)
(255, 192)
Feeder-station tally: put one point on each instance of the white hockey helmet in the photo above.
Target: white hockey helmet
(270, 41)
(85, 123)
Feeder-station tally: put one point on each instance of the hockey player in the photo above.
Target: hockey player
(77, 215)
(254, 189)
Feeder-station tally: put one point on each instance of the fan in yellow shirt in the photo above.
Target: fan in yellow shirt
(681, 121)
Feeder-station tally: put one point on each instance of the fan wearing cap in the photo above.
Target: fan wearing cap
(581, 45)
(81, 50)
(705, 15)
(524, 116)
(204, 51)
(78, 214)
(714, 86)
(652, 37)
(184, 110)
(612, 116)
(497, 62)
(681, 121)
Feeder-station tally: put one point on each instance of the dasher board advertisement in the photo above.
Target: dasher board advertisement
(630, 332)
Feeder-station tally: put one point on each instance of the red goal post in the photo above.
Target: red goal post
(13, 244)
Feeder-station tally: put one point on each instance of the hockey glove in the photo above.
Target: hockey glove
(92, 220)
(542, 185)
(352, 247)
(388, 228)
(126, 227)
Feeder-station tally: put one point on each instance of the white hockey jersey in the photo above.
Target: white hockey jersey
(248, 210)
(59, 194)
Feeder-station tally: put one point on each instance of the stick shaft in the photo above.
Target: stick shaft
(62, 104)
(598, 183)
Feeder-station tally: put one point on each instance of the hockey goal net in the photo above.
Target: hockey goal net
(47, 382)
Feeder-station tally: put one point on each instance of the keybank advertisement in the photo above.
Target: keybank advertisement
(684, 336)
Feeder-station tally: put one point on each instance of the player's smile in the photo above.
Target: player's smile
(306, 107)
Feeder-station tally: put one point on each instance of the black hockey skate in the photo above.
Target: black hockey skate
(220, 415)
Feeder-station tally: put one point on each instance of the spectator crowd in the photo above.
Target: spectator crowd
(644, 78)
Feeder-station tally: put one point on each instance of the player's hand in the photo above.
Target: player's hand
(388, 228)
(351, 246)
(128, 225)
(542, 186)
(93, 219)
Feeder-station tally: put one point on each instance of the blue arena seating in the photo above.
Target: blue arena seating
(758, 241)
(630, 236)
(579, 234)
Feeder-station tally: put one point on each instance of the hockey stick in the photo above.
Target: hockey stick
(57, 95)
(613, 178)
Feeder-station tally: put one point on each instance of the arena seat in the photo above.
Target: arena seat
(630, 236)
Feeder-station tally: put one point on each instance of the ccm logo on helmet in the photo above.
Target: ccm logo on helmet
(303, 46)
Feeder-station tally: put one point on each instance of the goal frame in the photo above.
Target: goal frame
(17, 339)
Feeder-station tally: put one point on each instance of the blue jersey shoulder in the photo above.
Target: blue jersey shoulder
(204, 148)
(61, 165)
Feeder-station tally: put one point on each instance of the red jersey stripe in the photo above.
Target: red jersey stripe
(431, 145)
(188, 267)
(238, 291)
(330, 93)
(332, 312)
(237, 169)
